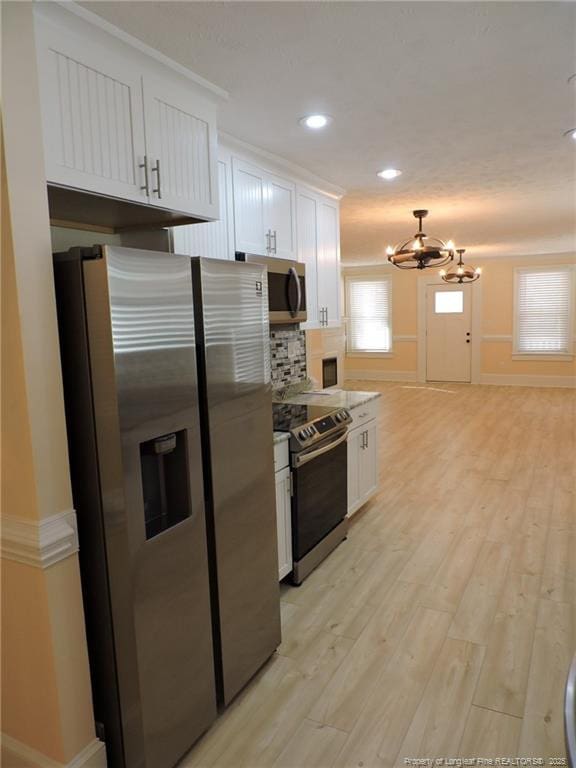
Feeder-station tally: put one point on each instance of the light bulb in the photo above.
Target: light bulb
(416, 245)
(315, 121)
(389, 174)
(390, 251)
(450, 245)
(478, 270)
(460, 270)
(442, 273)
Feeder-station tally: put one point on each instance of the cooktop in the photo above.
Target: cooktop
(289, 416)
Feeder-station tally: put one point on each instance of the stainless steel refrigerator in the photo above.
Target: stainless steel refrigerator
(162, 374)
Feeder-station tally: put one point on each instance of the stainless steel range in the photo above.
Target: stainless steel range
(318, 460)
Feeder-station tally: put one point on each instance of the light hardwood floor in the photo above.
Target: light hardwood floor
(444, 626)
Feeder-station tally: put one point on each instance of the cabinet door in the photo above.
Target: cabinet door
(368, 469)
(307, 212)
(249, 186)
(329, 261)
(284, 522)
(354, 443)
(280, 217)
(91, 113)
(214, 239)
(181, 147)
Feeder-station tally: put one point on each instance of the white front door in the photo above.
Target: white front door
(448, 332)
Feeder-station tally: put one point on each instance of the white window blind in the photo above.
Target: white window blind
(369, 315)
(543, 318)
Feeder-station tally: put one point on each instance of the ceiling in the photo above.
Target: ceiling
(469, 99)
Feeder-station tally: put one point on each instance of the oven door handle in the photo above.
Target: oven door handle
(294, 276)
(303, 458)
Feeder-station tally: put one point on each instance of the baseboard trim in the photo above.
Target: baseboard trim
(525, 380)
(39, 543)
(358, 375)
(92, 756)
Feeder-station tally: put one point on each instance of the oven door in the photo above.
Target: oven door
(319, 492)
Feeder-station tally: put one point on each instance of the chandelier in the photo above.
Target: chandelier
(460, 273)
(421, 251)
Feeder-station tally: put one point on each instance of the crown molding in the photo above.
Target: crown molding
(39, 543)
(278, 164)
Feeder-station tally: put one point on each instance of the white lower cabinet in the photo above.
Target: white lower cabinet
(362, 464)
(284, 522)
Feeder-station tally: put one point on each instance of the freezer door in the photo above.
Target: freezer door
(139, 306)
(234, 370)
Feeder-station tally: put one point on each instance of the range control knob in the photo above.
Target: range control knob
(338, 417)
(302, 434)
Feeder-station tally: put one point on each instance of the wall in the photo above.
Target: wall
(321, 343)
(496, 312)
(47, 717)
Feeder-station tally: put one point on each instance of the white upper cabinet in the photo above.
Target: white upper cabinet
(214, 239)
(181, 145)
(329, 263)
(307, 212)
(120, 124)
(249, 208)
(92, 116)
(319, 249)
(264, 212)
(280, 216)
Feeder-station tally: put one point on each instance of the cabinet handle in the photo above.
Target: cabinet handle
(268, 246)
(156, 169)
(366, 446)
(326, 315)
(146, 186)
(274, 236)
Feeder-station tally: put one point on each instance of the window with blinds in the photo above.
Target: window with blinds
(543, 311)
(369, 305)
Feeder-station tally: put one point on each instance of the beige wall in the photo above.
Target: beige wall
(46, 698)
(497, 288)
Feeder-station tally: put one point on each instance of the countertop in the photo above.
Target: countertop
(334, 398)
(280, 437)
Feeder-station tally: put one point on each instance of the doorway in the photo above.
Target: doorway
(448, 332)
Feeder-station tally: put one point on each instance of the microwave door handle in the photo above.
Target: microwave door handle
(294, 276)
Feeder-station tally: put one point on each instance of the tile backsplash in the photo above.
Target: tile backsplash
(287, 356)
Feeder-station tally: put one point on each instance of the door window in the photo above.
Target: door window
(449, 302)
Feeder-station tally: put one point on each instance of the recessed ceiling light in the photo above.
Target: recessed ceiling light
(389, 173)
(315, 121)
(571, 132)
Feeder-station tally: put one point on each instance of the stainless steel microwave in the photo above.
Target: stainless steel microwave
(286, 287)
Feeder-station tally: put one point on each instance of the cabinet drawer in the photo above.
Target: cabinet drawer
(281, 458)
(364, 413)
